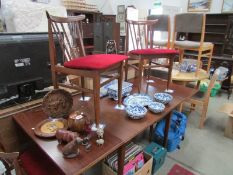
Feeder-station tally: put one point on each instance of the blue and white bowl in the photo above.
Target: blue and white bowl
(163, 97)
(113, 90)
(156, 107)
(141, 99)
(136, 111)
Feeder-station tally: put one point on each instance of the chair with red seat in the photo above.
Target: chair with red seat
(69, 33)
(30, 162)
(139, 44)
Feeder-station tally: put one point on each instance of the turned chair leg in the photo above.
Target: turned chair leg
(203, 116)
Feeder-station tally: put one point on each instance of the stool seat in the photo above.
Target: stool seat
(95, 62)
(153, 51)
(36, 163)
(191, 44)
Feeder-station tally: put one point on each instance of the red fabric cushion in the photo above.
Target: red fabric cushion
(99, 61)
(36, 163)
(153, 51)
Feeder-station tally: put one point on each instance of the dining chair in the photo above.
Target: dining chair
(201, 100)
(69, 33)
(142, 54)
(163, 26)
(30, 162)
(185, 23)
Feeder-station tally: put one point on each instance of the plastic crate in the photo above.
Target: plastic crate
(158, 153)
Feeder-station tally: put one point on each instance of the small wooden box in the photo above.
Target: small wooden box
(145, 170)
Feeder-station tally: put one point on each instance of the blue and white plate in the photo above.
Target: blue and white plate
(136, 111)
(142, 99)
(156, 107)
(163, 97)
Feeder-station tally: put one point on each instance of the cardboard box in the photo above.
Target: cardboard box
(145, 170)
(228, 109)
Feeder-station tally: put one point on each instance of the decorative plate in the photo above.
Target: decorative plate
(156, 107)
(47, 128)
(163, 97)
(142, 99)
(136, 111)
(57, 103)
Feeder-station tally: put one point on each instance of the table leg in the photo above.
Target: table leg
(167, 125)
(121, 158)
(151, 132)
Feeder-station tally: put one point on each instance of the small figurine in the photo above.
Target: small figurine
(71, 149)
(100, 133)
(100, 142)
(88, 147)
(65, 136)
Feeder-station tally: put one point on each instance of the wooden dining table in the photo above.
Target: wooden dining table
(119, 130)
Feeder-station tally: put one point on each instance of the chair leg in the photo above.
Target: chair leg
(149, 71)
(170, 70)
(126, 70)
(54, 79)
(210, 58)
(140, 72)
(96, 89)
(181, 56)
(203, 116)
(180, 108)
(120, 79)
(82, 85)
(198, 62)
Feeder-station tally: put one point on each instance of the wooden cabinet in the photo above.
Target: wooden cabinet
(88, 27)
(103, 32)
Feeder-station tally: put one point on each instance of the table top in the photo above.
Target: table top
(119, 129)
(189, 76)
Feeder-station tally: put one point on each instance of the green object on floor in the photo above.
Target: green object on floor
(158, 153)
(214, 90)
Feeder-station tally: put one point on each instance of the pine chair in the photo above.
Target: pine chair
(139, 44)
(201, 101)
(192, 23)
(69, 33)
(163, 25)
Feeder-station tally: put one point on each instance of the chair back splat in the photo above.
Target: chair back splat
(69, 33)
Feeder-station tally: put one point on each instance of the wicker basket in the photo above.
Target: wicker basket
(79, 5)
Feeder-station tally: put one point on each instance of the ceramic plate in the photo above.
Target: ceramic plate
(156, 107)
(136, 111)
(142, 99)
(163, 97)
(47, 128)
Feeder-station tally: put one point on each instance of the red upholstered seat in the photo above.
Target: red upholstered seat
(153, 51)
(95, 62)
(36, 163)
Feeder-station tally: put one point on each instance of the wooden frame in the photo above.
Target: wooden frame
(227, 6)
(199, 5)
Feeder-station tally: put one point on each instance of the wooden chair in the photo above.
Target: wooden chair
(201, 101)
(163, 25)
(69, 33)
(192, 23)
(139, 47)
